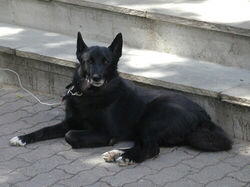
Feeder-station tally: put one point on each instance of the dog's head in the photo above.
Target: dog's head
(98, 65)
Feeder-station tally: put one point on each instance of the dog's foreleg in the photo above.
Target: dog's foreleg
(55, 131)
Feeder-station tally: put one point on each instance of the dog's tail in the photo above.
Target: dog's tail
(209, 137)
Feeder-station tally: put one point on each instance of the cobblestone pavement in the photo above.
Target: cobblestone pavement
(54, 163)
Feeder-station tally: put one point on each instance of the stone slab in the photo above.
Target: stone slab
(145, 66)
(142, 29)
(209, 14)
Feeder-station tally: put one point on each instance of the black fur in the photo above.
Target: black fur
(119, 110)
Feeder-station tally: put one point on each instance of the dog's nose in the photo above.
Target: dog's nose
(96, 77)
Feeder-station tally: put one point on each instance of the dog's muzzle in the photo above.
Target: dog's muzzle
(97, 83)
(97, 80)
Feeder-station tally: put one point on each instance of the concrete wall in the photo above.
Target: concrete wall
(35, 75)
(102, 25)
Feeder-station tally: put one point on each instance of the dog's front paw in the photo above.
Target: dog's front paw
(117, 156)
(112, 155)
(124, 161)
(17, 141)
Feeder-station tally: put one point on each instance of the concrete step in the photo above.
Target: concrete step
(45, 62)
(203, 30)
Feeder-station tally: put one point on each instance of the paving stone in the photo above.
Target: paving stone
(4, 171)
(13, 117)
(13, 178)
(11, 152)
(14, 127)
(81, 164)
(43, 116)
(211, 173)
(13, 164)
(206, 159)
(13, 106)
(238, 160)
(58, 185)
(1, 103)
(98, 184)
(5, 185)
(112, 167)
(226, 182)
(243, 174)
(141, 183)
(34, 127)
(184, 182)
(21, 93)
(73, 154)
(45, 179)
(6, 90)
(10, 97)
(86, 177)
(170, 174)
(167, 160)
(36, 108)
(42, 166)
(43, 151)
(132, 175)
(42, 97)
(4, 141)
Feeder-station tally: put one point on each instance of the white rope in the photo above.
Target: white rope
(20, 83)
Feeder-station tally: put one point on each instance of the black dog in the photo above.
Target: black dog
(102, 108)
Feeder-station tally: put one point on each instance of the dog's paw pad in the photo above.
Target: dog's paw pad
(111, 156)
(16, 141)
(124, 161)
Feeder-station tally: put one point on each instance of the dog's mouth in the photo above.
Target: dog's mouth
(97, 83)
(95, 88)
(88, 84)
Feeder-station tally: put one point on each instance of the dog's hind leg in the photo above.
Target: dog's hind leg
(209, 137)
(85, 138)
(55, 131)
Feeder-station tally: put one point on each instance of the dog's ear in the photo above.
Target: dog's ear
(80, 47)
(116, 46)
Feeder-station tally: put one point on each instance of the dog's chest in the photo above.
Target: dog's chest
(117, 118)
(87, 113)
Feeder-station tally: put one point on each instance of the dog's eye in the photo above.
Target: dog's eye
(106, 62)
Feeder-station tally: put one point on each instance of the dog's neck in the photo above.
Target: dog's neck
(72, 91)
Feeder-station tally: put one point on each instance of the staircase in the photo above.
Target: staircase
(182, 45)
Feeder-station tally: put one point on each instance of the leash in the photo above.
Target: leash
(71, 90)
(22, 87)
